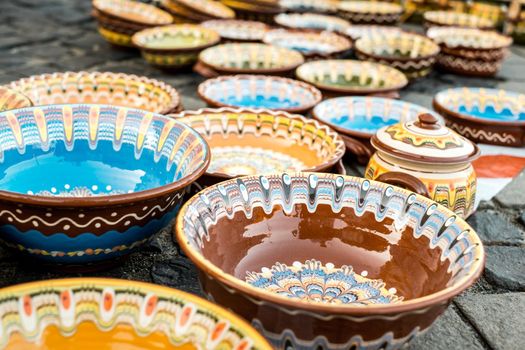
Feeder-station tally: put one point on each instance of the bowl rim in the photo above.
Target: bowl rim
(234, 70)
(351, 132)
(145, 33)
(441, 296)
(283, 18)
(108, 200)
(500, 46)
(339, 143)
(485, 23)
(448, 113)
(12, 93)
(174, 104)
(315, 93)
(366, 91)
(145, 6)
(235, 23)
(240, 323)
(393, 8)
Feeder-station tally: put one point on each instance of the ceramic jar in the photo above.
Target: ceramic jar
(427, 158)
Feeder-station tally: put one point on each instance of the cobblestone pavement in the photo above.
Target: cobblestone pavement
(57, 35)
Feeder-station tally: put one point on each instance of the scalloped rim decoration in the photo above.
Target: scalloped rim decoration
(12, 99)
(134, 11)
(457, 19)
(469, 38)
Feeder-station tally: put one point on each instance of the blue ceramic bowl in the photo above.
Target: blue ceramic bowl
(259, 91)
(87, 183)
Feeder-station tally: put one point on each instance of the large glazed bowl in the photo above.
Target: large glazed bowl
(12, 99)
(484, 115)
(349, 77)
(261, 141)
(259, 91)
(321, 261)
(456, 19)
(413, 54)
(89, 183)
(370, 12)
(118, 89)
(96, 313)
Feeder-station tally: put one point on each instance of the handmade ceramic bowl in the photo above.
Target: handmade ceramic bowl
(174, 46)
(251, 58)
(411, 53)
(470, 51)
(323, 261)
(118, 89)
(261, 141)
(207, 9)
(365, 30)
(348, 77)
(313, 45)
(97, 313)
(311, 21)
(370, 12)
(358, 118)
(259, 91)
(484, 115)
(237, 30)
(261, 11)
(88, 183)
(316, 6)
(455, 19)
(12, 99)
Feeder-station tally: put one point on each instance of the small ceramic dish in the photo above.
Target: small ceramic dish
(413, 54)
(84, 183)
(260, 141)
(311, 21)
(370, 12)
(364, 264)
(133, 12)
(101, 313)
(259, 91)
(118, 89)
(348, 77)
(237, 30)
(261, 11)
(484, 115)
(251, 58)
(470, 51)
(357, 31)
(174, 46)
(455, 19)
(313, 45)
(12, 99)
(359, 118)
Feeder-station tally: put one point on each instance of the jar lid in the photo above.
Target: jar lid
(424, 140)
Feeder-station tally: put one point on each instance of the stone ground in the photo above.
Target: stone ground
(58, 35)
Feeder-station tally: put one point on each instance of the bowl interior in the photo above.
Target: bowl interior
(178, 36)
(116, 89)
(400, 45)
(134, 11)
(487, 104)
(328, 238)
(247, 143)
(91, 150)
(307, 42)
(259, 92)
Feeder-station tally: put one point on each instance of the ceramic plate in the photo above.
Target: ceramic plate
(133, 11)
(237, 30)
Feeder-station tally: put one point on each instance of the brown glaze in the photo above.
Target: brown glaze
(360, 148)
(404, 180)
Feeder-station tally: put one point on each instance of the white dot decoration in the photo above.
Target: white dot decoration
(53, 190)
(108, 188)
(145, 208)
(30, 192)
(48, 215)
(94, 188)
(97, 225)
(67, 186)
(10, 219)
(35, 223)
(19, 211)
(297, 264)
(81, 215)
(114, 214)
(392, 291)
(127, 223)
(67, 227)
(364, 273)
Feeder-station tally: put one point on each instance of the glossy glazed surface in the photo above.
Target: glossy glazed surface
(232, 29)
(456, 19)
(133, 11)
(175, 37)
(12, 99)
(312, 21)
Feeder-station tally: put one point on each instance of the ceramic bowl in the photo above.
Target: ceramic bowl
(114, 31)
(455, 19)
(110, 313)
(259, 91)
(237, 30)
(12, 99)
(174, 46)
(207, 9)
(89, 183)
(133, 12)
(413, 54)
(365, 30)
(370, 12)
(484, 115)
(261, 11)
(358, 118)
(311, 21)
(312, 44)
(251, 58)
(348, 77)
(118, 89)
(470, 51)
(363, 264)
(315, 6)
(261, 141)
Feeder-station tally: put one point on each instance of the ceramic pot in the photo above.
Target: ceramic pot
(312, 21)
(370, 12)
(13, 99)
(484, 115)
(105, 313)
(428, 158)
(324, 261)
(234, 30)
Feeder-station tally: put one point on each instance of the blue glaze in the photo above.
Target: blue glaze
(363, 123)
(259, 101)
(490, 113)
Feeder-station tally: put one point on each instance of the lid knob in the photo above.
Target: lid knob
(427, 121)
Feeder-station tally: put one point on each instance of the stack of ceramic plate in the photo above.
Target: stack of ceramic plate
(194, 11)
(257, 10)
(118, 20)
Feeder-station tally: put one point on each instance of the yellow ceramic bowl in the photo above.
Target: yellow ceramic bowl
(104, 314)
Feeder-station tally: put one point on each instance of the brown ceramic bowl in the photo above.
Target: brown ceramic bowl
(324, 261)
(260, 141)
